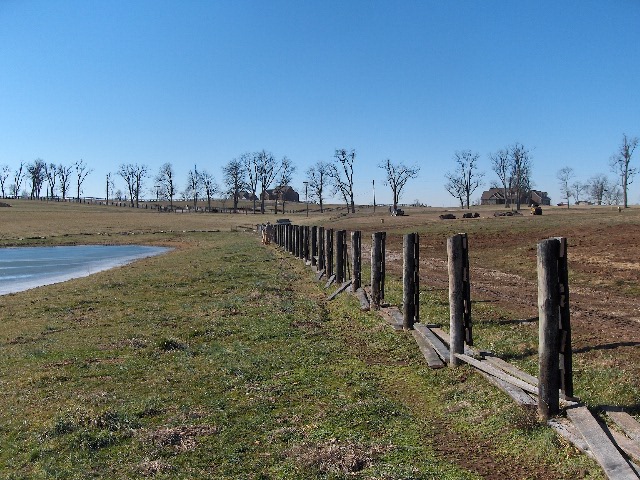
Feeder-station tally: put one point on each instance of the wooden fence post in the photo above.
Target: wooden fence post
(566, 350)
(549, 328)
(294, 240)
(377, 268)
(300, 249)
(341, 243)
(320, 264)
(305, 243)
(356, 260)
(411, 280)
(314, 246)
(328, 251)
(287, 240)
(466, 292)
(456, 266)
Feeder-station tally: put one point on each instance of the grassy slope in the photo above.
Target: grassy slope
(223, 360)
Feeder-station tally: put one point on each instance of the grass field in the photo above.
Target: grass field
(222, 359)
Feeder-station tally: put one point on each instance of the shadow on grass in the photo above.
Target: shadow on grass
(606, 346)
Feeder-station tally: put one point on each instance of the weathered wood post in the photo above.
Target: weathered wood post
(566, 350)
(328, 251)
(411, 280)
(314, 246)
(356, 260)
(320, 264)
(549, 328)
(294, 239)
(341, 244)
(377, 268)
(459, 296)
(301, 242)
(554, 351)
(305, 243)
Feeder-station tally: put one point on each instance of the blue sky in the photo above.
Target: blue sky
(201, 82)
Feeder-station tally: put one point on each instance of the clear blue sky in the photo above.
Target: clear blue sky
(200, 82)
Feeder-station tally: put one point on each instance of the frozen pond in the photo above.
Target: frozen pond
(23, 268)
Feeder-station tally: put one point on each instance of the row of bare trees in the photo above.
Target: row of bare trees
(251, 175)
(511, 164)
(32, 176)
(258, 172)
(600, 189)
(513, 167)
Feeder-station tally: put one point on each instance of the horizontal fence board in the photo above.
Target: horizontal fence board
(605, 452)
(440, 348)
(496, 372)
(433, 360)
(627, 423)
(364, 301)
(342, 288)
(512, 370)
(516, 393)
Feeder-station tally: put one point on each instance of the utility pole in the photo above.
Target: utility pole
(374, 195)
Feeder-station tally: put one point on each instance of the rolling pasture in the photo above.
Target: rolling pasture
(223, 358)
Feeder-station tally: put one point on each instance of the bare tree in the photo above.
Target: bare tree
(165, 180)
(133, 175)
(465, 179)
(398, 174)
(620, 164)
(253, 174)
(209, 185)
(81, 174)
(51, 173)
(317, 177)
(455, 187)
(287, 169)
(268, 170)
(597, 186)
(501, 165)
(235, 180)
(612, 195)
(564, 176)
(578, 188)
(5, 172)
(64, 174)
(341, 176)
(520, 171)
(194, 186)
(36, 171)
(18, 176)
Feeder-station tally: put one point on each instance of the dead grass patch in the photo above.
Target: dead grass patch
(182, 438)
(335, 457)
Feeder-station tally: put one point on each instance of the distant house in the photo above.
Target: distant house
(285, 193)
(495, 196)
(244, 195)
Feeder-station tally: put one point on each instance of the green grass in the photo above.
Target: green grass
(222, 359)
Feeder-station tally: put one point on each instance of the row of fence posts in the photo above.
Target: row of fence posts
(315, 245)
